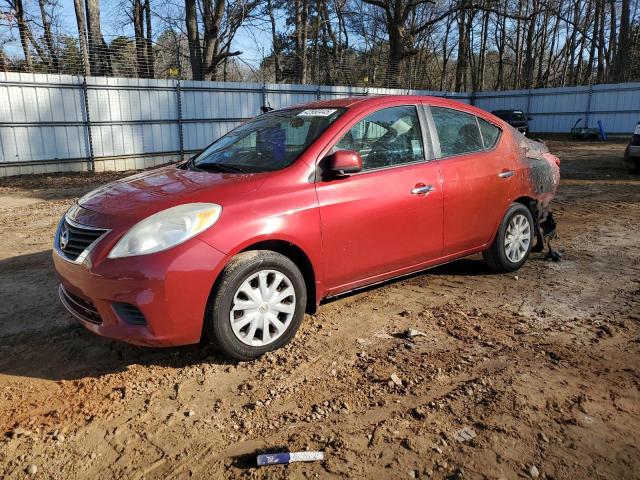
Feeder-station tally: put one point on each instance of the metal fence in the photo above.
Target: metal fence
(53, 123)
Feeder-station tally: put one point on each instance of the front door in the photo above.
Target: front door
(389, 216)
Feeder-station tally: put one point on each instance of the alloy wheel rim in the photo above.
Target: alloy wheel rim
(517, 238)
(263, 307)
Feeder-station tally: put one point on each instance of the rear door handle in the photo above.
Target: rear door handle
(422, 189)
(506, 174)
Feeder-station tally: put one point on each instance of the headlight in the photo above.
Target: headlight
(166, 229)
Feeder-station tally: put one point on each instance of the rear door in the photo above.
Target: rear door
(389, 216)
(477, 171)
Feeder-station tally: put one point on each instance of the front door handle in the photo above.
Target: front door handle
(422, 189)
(506, 174)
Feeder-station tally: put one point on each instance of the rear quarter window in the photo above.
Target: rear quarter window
(490, 134)
(458, 131)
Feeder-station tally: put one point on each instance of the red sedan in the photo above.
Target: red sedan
(293, 207)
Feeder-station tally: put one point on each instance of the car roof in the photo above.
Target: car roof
(364, 102)
(347, 102)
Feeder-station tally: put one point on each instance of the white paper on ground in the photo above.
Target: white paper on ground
(306, 456)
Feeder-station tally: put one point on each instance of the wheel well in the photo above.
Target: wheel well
(526, 201)
(297, 256)
(531, 204)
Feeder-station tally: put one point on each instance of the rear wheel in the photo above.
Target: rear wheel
(257, 305)
(512, 245)
(633, 164)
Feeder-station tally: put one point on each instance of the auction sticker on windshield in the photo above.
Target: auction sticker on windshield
(317, 112)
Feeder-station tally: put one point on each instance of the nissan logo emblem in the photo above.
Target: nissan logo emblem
(64, 238)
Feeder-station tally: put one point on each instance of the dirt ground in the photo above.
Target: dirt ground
(542, 365)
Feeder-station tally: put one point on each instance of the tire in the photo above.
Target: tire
(498, 256)
(242, 286)
(633, 163)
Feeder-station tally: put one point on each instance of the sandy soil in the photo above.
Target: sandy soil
(543, 365)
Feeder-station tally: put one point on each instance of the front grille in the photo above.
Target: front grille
(73, 239)
(129, 313)
(79, 307)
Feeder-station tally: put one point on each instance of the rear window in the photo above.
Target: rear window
(490, 134)
(458, 132)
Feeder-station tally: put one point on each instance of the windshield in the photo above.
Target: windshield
(269, 142)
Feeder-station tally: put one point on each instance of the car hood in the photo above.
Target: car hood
(152, 191)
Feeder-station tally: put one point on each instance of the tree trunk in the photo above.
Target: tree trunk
(193, 37)
(543, 47)
(501, 45)
(613, 39)
(445, 55)
(601, 44)
(577, 79)
(24, 34)
(518, 49)
(149, 41)
(465, 21)
(301, 14)
(483, 51)
(99, 61)
(48, 38)
(212, 18)
(275, 43)
(594, 39)
(138, 29)
(624, 40)
(82, 35)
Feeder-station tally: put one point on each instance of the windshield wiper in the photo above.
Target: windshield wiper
(219, 167)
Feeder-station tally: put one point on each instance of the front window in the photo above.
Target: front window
(267, 143)
(388, 137)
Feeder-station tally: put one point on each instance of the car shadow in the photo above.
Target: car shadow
(465, 267)
(40, 339)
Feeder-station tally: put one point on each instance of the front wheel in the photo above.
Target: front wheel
(257, 305)
(512, 245)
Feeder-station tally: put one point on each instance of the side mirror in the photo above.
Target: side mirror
(529, 118)
(345, 162)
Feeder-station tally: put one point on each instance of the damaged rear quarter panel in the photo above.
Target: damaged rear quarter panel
(539, 174)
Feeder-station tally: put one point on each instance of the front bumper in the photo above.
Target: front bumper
(170, 289)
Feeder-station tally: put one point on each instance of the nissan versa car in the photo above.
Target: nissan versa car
(293, 207)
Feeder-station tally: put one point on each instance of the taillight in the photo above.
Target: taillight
(552, 158)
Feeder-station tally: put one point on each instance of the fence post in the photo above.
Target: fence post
(180, 132)
(318, 92)
(264, 94)
(87, 122)
(588, 112)
(528, 102)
